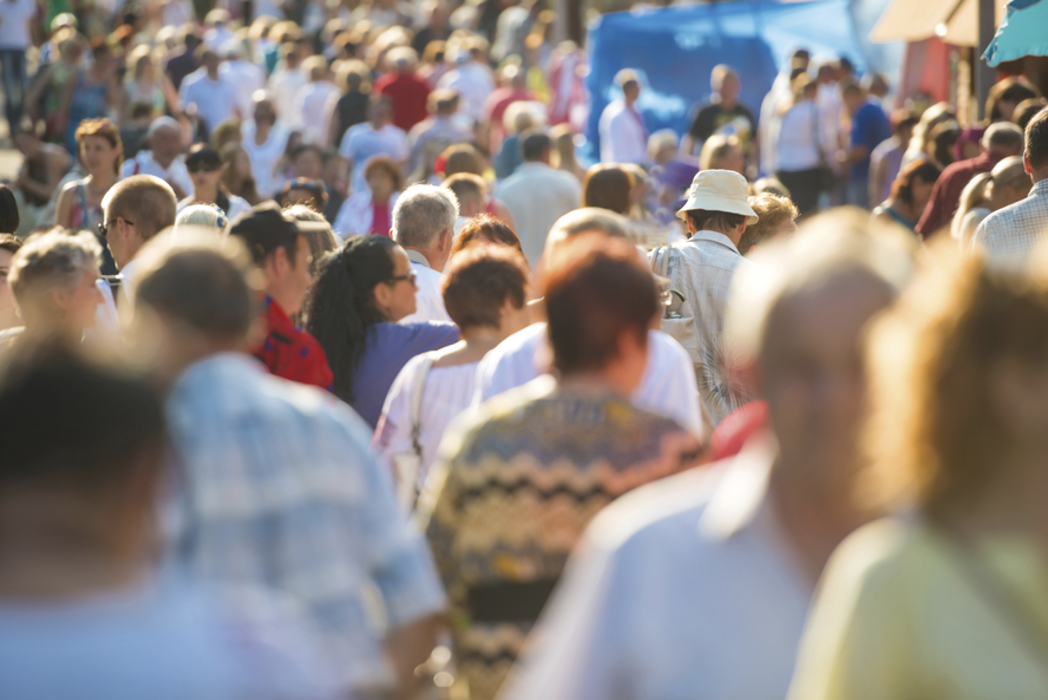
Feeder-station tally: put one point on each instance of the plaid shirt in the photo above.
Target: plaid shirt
(280, 491)
(1009, 235)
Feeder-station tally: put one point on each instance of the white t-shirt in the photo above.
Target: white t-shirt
(312, 110)
(285, 84)
(144, 164)
(14, 24)
(474, 83)
(363, 141)
(668, 386)
(623, 138)
(446, 394)
(264, 158)
(215, 100)
(247, 77)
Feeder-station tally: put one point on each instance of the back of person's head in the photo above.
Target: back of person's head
(1011, 91)
(923, 170)
(145, 200)
(974, 195)
(596, 290)
(443, 101)
(9, 218)
(518, 118)
(201, 287)
(468, 189)
(77, 430)
(264, 229)
(607, 186)
(943, 140)
(321, 237)
(479, 281)
(775, 212)
(206, 217)
(46, 263)
(580, 221)
(904, 121)
(770, 185)
(719, 74)
(947, 364)
(1027, 110)
(462, 158)
(535, 145)
(1003, 138)
(485, 229)
(316, 67)
(1037, 140)
(422, 213)
(342, 308)
(716, 151)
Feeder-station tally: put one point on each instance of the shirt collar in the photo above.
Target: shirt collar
(715, 237)
(416, 257)
(741, 496)
(276, 313)
(227, 365)
(1039, 188)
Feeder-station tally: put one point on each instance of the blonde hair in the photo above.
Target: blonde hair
(48, 261)
(716, 149)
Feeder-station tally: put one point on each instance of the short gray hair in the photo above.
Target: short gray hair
(1003, 135)
(422, 213)
(48, 261)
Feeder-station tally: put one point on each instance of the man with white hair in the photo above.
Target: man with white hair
(623, 136)
(408, 92)
(315, 101)
(424, 226)
(164, 157)
(698, 585)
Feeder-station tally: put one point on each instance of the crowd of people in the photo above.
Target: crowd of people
(330, 367)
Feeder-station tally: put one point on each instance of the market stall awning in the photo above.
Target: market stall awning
(954, 21)
(1022, 33)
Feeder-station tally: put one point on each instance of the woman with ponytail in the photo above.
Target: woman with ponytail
(362, 290)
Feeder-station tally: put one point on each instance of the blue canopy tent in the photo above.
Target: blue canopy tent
(1022, 33)
(674, 49)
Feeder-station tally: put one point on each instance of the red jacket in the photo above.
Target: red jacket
(291, 352)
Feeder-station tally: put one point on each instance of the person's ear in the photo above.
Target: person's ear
(1026, 164)
(444, 240)
(61, 297)
(277, 264)
(382, 294)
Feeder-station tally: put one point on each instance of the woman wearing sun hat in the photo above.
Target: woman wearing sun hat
(701, 268)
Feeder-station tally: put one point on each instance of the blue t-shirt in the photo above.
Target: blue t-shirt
(388, 348)
(869, 127)
(167, 640)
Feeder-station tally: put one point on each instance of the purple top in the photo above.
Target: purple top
(388, 348)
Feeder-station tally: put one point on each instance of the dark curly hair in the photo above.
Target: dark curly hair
(342, 306)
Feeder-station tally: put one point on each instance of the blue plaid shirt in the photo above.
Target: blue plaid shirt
(279, 490)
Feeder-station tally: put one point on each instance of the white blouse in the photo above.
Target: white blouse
(448, 392)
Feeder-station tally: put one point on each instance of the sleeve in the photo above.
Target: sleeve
(432, 336)
(857, 643)
(978, 242)
(702, 126)
(345, 148)
(393, 433)
(933, 211)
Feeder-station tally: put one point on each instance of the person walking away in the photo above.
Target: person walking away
(623, 136)
(14, 41)
(424, 225)
(869, 128)
(802, 156)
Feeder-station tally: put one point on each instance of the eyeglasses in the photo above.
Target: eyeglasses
(103, 226)
(410, 277)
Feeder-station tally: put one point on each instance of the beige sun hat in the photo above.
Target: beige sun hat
(719, 190)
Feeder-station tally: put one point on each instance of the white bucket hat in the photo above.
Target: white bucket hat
(719, 190)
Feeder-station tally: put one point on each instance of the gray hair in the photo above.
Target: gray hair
(51, 260)
(1003, 134)
(161, 122)
(585, 220)
(843, 243)
(206, 216)
(422, 213)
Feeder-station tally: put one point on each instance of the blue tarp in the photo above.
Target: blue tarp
(674, 49)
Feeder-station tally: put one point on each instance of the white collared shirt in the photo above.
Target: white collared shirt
(667, 387)
(145, 164)
(623, 138)
(429, 299)
(679, 590)
(536, 196)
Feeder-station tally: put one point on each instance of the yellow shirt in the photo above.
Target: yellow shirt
(898, 616)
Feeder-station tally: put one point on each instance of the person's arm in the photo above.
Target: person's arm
(408, 648)
(174, 104)
(878, 173)
(933, 215)
(64, 208)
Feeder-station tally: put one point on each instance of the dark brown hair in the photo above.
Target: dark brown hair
(722, 221)
(902, 187)
(1037, 140)
(607, 186)
(102, 128)
(485, 228)
(478, 282)
(388, 165)
(596, 290)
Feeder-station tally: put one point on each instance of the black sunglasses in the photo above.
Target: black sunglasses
(202, 166)
(103, 226)
(410, 277)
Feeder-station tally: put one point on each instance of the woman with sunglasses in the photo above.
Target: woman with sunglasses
(205, 170)
(362, 290)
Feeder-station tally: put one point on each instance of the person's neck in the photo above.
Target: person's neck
(163, 161)
(593, 382)
(475, 344)
(431, 257)
(56, 548)
(727, 103)
(814, 520)
(101, 181)
(1039, 175)
(262, 130)
(212, 76)
(205, 195)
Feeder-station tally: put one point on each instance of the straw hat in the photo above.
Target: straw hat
(719, 190)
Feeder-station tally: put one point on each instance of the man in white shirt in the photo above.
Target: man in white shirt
(15, 16)
(214, 96)
(136, 209)
(537, 195)
(315, 101)
(623, 136)
(377, 136)
(424, 225)
(265, 140)
(698, 586)
(472, 80)
(246, 76)
(287, 80)
(163, 159)
(668, 385)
